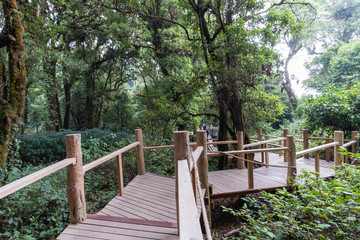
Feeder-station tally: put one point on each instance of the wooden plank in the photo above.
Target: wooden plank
(263, 142)
(140, 160)
(320, 138)
(140, 192)
(133, 221)
(115, 211)
(247, 151)
(196, 154)
(135, 224)
(143, 210)
(317, 148)
(114, 233)
(189, 222)
(349, 144)
(65, 236)
(31, 178)
(120, 175)
(100, 161)
(147, 204)
(158, 147)
(222, 142)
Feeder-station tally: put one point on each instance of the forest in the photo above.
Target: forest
(105, 68)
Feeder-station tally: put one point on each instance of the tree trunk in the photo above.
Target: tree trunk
(11, 104)
(67, 89)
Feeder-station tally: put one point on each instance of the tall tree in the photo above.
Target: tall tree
(12, 83)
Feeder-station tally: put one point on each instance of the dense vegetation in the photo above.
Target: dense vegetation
(104, 68)
(318, 209)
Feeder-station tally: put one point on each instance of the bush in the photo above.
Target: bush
(319, 209)
(50, 147)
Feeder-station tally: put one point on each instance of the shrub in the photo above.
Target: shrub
(319, 209)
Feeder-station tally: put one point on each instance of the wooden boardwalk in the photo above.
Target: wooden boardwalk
(234, 181)
(147, 210)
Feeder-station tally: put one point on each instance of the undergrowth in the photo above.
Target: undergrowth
(318, 209)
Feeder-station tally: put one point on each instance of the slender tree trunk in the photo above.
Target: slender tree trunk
(90, 89)
(11, 104)
(67, 89)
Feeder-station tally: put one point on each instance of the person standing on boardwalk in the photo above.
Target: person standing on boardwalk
(214, 131)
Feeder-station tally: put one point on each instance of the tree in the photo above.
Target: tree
(335, 109)
(12, 82)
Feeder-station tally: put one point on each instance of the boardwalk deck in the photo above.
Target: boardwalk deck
(147, 210)
(234, 181)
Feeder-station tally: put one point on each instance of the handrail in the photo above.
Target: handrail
(222, 142)
(196, 155)
(349, 144)
(320, 138)
(215, 154)
(189, 224)
(99, 161)
(310, 150)
(163, 147)
(268, 136)
(158, 147)
(31, 178)
(263, 142)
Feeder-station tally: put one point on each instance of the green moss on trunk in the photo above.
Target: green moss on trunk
(11, 106)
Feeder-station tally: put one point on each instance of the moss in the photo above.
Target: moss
(10, 111)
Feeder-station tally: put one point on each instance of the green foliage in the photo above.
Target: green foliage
(50, 147)
(339, 65)
(336, 109)
(319, 209)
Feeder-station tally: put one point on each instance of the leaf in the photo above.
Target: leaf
(351, 218)
(324, 225)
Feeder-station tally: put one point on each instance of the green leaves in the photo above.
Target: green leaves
(319, 209)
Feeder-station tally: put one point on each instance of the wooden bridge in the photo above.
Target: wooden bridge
(152, 206)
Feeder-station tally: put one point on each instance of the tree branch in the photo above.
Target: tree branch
(125, 12)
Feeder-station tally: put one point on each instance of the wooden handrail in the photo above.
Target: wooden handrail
(310, 150)
(29, 179)
(158, 147)
(99, 161)
(269, 136)
(189, 220)
(263, 142)
(349, 144)
(196, 155)
(215, 154)
(222, 142)
(321, 138)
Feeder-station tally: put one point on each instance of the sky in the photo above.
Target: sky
(297, 68)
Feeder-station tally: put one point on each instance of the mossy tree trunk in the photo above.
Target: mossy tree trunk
(12, 82)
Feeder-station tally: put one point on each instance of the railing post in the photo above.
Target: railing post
(306, 142)
(317, 162)
(280, 152)
(140, 152)
(354, 138)
(240, 146)
(286, 155)
(267, 156)
(327, 151)
(203, 168)
(338, 137)
(75, 180)
(120, 175)
(261, 146)
(291, 174)
(181, 152)
(250, 171)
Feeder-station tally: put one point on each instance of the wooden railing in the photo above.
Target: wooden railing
(25, 181)
(187, 185)
(76, 171)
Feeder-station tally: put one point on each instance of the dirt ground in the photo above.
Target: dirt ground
(224, 222)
